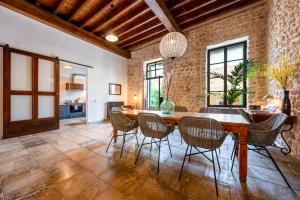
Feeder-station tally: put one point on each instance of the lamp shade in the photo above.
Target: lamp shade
(173, 45)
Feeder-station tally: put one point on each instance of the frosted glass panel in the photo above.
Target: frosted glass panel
(21, 72)
(46, 106)
(46, 75)
(21, 107)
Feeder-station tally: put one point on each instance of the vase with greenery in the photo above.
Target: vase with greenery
(167, 106)
(241, 72)
(282, 73)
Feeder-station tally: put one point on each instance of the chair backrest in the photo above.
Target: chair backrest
(152, 125)
(245, 115)
(276, 122)
(114, 109)
(266, 133)
(202, 132)
(219, 110)
(181, 109)
(119, 121)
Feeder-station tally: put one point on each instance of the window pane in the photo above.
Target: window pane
(216, 56)
(21, 72)
(21, 107)
(216, 98)
(160, 72)
(216, 84)
(151, 74)
(235, 52)
(159, 65)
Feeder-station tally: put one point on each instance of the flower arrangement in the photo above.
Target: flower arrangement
(282, 71)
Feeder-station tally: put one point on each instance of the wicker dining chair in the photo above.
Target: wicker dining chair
(153, 126)
(121, 123)
(181, 109)
(202, 133)
(219, 110)
(262, 135)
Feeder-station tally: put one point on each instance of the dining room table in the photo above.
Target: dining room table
(230, 122)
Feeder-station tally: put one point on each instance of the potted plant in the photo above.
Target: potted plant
(282, 73)
(244, 70)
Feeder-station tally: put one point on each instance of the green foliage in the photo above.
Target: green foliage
(154, 100)
(243, 71)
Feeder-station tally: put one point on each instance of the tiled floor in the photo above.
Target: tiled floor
(71, 163)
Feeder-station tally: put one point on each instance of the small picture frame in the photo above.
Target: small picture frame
(115, 89)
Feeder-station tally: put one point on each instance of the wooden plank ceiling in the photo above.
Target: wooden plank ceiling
(135, 22)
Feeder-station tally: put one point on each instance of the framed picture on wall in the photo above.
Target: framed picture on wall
(115, 89)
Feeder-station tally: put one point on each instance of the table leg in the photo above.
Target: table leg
(115, 135)
(243, 150)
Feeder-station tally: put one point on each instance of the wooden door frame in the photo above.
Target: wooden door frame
(35, 125)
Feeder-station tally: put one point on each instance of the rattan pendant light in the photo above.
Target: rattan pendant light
(173, 45)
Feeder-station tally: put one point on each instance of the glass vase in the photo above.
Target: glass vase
(167, 106)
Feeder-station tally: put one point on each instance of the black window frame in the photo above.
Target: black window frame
(156, 76)
(225, 47)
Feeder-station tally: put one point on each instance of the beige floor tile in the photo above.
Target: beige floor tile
(76, 184)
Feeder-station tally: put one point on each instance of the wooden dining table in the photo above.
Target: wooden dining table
(231, 123)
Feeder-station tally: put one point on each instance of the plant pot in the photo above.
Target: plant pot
(167, 106)
(286, 103)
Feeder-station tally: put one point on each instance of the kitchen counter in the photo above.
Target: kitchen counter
(73, 110)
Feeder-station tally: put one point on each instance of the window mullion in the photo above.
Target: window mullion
(225, 76)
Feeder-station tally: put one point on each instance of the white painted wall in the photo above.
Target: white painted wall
(27, 34)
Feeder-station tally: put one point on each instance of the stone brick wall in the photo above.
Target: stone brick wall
(284, 38)
(189, 77)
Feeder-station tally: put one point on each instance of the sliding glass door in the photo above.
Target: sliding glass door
(31, 93)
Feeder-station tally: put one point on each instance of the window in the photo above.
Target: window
(222, 60)
(154, 77)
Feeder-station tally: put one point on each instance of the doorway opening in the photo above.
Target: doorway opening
(73, 94)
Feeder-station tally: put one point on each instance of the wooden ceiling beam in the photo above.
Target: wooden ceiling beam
(128, 20)
(146, 39)
(152, 22)
(80, 8)
(128, 24)
(54, 21)
(141, 34)
(192, 20)
(163, 14)
(107, 8)
(58, 5)
(202, 8)
(126, 13)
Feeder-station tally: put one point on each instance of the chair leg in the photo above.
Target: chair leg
(217, 159)
(136, 138)
(169, 146)
(190, 153)
(139, 151)
(151, 147)
(234, 155)
(112, 137)
(124, 136)
(233, 150)
(216, 184)
(158, 156)
(277, 167)
(187, 148)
